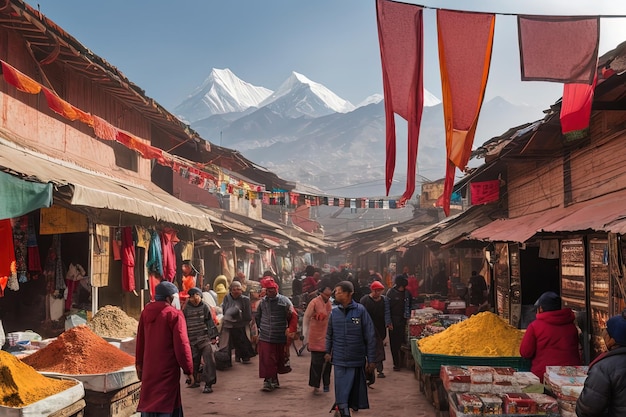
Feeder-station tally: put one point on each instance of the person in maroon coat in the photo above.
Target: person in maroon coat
(162, 350)
(552, 339)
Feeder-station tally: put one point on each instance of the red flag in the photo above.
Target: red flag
(401, 39)
(464, 64)
(558, 48)
(484, 192)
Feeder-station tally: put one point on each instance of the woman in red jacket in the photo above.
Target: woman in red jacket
(552, 339)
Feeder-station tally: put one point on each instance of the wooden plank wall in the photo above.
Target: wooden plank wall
(534, 186)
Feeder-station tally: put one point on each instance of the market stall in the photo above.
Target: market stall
(483, 339)
(107, 373)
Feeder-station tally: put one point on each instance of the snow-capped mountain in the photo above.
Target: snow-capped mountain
(222, 92)
(299, 96)
(342, 152)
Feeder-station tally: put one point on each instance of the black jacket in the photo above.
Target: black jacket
(604, 393)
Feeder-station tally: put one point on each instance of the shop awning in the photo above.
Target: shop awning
(97, 190)
(605, 213)
(20, 197)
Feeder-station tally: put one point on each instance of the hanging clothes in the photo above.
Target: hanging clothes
(34, 261)
(128, 259)
(168, 239)
(155, 255)
(75, 273)
(101, 256)
(7, 255)
(20, 240)
(141, 235)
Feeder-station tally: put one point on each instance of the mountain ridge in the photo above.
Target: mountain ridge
(304, 133)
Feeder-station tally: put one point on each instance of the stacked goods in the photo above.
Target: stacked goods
(469, 403)
(487, 379)
(492, 404)
(518, 403)
(21, 385)
(112, 322)
(455, 378)
(509, 404)
(545, 403)
(528, 382)
(79, 351)
(484, 335)
(481, 378)
(566, 383)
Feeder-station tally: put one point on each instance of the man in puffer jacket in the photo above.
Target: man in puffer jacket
(552, 339)
(277, 322)
(350, 340)
(604, 393)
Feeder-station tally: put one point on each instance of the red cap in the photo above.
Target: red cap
(377, 285)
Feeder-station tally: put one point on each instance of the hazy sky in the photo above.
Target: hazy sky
(169, 47)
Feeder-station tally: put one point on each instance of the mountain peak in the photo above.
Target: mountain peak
(301, 96)
(221, 92)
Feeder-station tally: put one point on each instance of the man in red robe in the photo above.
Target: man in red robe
(162, 350)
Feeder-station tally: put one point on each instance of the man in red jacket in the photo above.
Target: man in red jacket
(552, 339)
(162, 350)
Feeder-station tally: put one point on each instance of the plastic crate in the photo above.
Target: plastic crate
(430, 363)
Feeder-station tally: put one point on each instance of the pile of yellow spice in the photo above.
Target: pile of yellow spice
(483, 334)
(21, 385)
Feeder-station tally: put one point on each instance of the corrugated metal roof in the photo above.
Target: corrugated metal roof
(606, 213)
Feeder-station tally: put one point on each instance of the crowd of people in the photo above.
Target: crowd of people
(342, 322)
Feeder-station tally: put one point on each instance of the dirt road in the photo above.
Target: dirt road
(238, 393)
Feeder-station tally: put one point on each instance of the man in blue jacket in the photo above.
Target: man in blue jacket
(350, 340)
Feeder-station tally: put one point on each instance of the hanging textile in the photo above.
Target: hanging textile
(101, 256)
(168, 240)
(20, 197)
(65, 109)
(7, 254)
(464, 64)
(484, 192)
(401, 39)
(34, 261)
(558, 48)
(103, 129)
(20, 239)
(576, 109)
(19, 80)
(155, 255)
(128, 259)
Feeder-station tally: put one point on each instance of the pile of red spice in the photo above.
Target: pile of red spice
(79, 351)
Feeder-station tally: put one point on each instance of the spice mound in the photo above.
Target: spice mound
(483, 334)
(21, 385)
(111, 321)
(79, 351)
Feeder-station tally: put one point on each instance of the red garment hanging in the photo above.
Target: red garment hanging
(464, 64)
(128, 259)
(401, 38)
(576, 109)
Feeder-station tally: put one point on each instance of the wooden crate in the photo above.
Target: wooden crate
(119, 403)
(74, 410)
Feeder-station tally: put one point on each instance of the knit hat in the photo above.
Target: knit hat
(193, 291)
(377, 285)
(549, 301)
(616, 326)
(163, 290)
